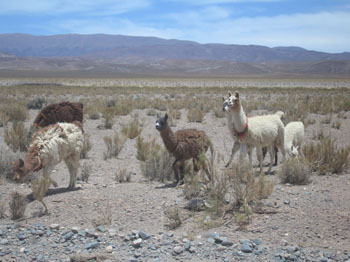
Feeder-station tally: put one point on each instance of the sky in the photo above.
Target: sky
(321, 25)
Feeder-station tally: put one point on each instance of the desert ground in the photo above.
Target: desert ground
(104, 218)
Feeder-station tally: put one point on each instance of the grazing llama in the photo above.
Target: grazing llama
(50, 145)
(183, 145)
(64, 112)
(293, 137)
(258, 131)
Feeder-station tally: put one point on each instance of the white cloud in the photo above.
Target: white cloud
(87, 7)
(325, 31)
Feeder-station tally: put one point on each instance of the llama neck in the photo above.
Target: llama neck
(239, 119)
(169, 139)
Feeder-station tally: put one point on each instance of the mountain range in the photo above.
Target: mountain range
(118, 55)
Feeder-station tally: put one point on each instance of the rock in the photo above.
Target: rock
(39, 233)
(178, 250)
(246, 248)
(137, 243)
(195, 204)
(219, 240)
(4, 242)
(21, 236)
(101, 229)
(92, 245)
(221, 248)
(227, 243)
(75, 229)
(54, 226)
(286, 202)
(211, 240)
(188, 245)
(1, 233)
(68, 235)
(207, 219)
(257, 241)
(284, 242)
(109, 249)
(112, 232)
(144, 235)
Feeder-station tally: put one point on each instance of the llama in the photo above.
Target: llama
(50, 145)
(281, 115)
(183, 145)
(293, 137)
(64, 112)
(258, 131)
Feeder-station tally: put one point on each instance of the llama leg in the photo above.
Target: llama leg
(73, 164)
(235, 148)
(259, 155)
(250, 149)
(195, 164)
(271, 153)
(276, 155)
(46, 173)
(176, 171)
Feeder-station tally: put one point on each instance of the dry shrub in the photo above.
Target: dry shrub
(114, 145)
(15, 111)
(336, 124)
(2, 210)
(36, 103)
(6, 160)
(16, 137)
(108, 117)
(86, 171)
(92, 111)
(327, 120)
(195, 115)
(295, 171)
(173, 217)
(159, 104)
(105, 216)
(133, 129)
(124, 107)
(122, 176)
(86, 147)
(146, 148)
(39, 188)
(18, 205)
(151, 112)
(158, 166)
(192, 185)
(325, 157)
(4, 119)
(247, 190)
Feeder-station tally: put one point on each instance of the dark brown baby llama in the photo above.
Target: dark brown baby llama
(183, 145)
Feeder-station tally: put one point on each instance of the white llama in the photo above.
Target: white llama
(50, 145)
(258, 131)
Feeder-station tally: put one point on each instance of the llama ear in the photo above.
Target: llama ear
(237, 95)
(166, 116)
(21, 162)
(229, 93)
(223, 99)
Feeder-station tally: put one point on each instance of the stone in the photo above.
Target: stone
(227, 243)
(246, 248)
(54, 226)
(144, 235)
(68, 235)
(137, 243)
(101, 229)
(112, 232)
(4, 242)
(178, 250)
(21, 236)
(75, 229)
(211, 240)
(109, 249)
(92, 245)
(188, 245)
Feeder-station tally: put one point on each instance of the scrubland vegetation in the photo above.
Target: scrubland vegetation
(236, 192)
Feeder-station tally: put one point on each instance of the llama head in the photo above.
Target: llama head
(294, 151)
(21, 168)
(161, 122)
(232, 102)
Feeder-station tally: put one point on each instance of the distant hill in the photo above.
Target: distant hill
(131, 55)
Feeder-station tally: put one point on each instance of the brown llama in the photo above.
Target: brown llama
(183, 145)
(64, 112)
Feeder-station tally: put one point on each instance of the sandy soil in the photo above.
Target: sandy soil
(317, 215)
